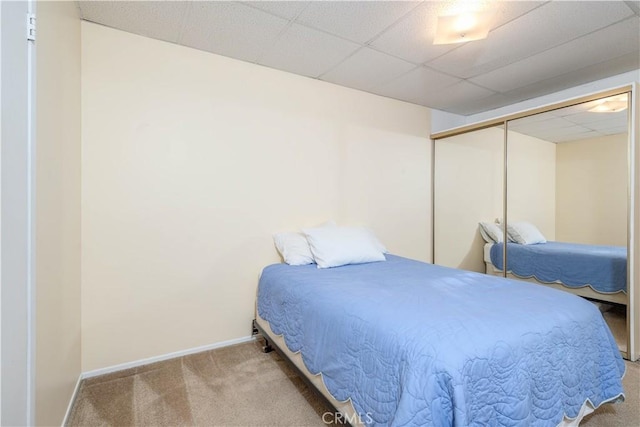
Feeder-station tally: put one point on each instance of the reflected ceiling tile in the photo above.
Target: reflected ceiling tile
(608, 121)
(576, 136)
(560, 132)
(543, 127)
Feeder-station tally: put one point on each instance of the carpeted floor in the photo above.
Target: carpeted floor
(241, 386)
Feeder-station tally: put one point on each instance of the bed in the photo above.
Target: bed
(593, 271)
(402, 342)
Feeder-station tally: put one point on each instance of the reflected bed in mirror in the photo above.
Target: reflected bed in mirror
(564, 168)
(597, 272)
(574, 186)
(577, 156)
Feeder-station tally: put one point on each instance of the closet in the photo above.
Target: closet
(559, 180)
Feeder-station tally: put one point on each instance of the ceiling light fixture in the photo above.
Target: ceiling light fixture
(612, 104)
(462, 28)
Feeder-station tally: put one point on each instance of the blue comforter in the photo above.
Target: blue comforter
(413, 344)
(603, 268)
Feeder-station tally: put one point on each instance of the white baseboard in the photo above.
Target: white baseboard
(65, 420)
(136, 363)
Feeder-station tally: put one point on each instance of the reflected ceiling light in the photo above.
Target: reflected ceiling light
(612, 104)
(462, 28)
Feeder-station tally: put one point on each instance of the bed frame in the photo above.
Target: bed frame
(343, 413)
(586, 291)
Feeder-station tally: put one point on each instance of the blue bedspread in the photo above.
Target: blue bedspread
(413, 344)
(604, 268)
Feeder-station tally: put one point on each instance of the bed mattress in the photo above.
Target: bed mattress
(410, 343)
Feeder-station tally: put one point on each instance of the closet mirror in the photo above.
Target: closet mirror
(567, 202)
(468, 187)
(556, 182)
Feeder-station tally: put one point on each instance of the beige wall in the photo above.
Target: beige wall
(192, 160)
(469, 188)
(531, 176)
(592, 191)
(57, 209)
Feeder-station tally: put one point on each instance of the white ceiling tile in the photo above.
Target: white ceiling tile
(491, 102)
(571, 79)
(284, 9)
(156, 19)
(367, 69)
(547, 26)
(634, 5)
(308, 52)
(507, 11)
(456, 94)
(231, 29)
(536, 45)
(412, 37)
(612, 42)
(613, 131)
(412, 85)
(358, 21)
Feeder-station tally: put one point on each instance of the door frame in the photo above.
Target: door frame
(17, 249)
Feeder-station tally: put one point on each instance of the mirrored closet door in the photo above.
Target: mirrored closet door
(568, 186)
(468, 187)
(555, 181)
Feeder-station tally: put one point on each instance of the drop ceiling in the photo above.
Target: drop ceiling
(386, 47)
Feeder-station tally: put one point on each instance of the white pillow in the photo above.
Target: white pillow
(375, 241)
(525, 233)
(491, 232)
(336, 246)
(294, 248)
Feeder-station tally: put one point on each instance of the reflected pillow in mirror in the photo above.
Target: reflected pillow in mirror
(525, 233)
(491, 232)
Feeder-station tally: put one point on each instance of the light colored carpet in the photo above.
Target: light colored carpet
(241, 386)
(232, 386)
